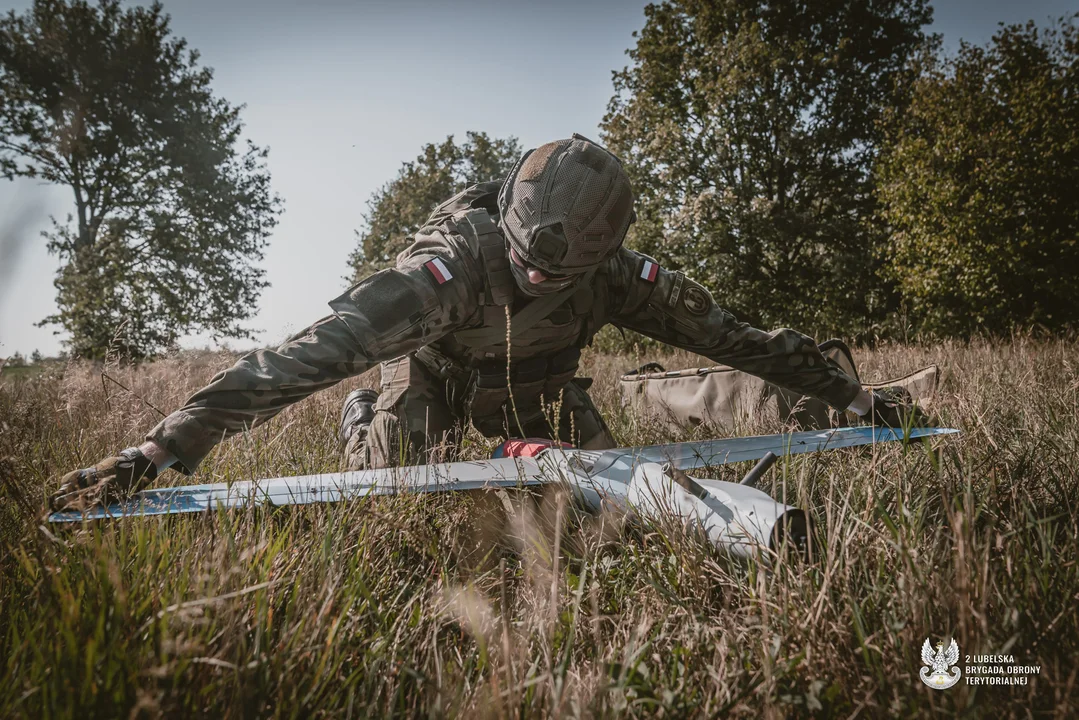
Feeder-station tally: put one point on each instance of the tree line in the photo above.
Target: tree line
(824, 165)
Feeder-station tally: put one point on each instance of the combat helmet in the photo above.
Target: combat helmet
(566, 206)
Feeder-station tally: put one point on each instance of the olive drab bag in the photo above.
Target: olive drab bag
(723, 397)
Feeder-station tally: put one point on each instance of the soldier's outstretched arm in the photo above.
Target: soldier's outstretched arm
(672, 308)
(389, 314)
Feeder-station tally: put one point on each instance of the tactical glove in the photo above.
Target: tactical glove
(892, 407)
(111, 478)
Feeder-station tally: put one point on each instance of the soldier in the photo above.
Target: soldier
(483, 319)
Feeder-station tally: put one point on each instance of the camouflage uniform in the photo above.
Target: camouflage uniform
(437, 324)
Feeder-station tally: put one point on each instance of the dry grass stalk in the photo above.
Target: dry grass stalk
(444, 606)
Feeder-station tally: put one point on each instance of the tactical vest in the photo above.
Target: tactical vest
(546, 334)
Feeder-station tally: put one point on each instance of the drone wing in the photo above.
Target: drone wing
(710, 453)
(328, 487)
(609, 472)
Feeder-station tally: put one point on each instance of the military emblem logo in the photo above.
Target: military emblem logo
(696, 300)
(939, 672)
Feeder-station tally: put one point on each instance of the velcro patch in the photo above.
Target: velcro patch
(676, 289)
(648, 272)
(439, 270)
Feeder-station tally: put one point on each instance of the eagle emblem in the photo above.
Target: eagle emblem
(938, 664)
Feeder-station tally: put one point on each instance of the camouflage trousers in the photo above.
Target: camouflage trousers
(417, 421)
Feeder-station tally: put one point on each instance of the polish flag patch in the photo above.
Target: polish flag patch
(648, 272)
(439, 270)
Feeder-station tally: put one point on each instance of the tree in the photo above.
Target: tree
(398, 208)
(978, 184)
(35, 357)
(171, 210)
(750, 130)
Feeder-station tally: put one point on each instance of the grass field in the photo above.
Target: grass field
(21, 372)
(442, 606)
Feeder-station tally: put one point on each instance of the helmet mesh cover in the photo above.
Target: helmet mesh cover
(566, 206)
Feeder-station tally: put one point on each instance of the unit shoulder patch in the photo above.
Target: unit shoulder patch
(696, 299)
(649, 271)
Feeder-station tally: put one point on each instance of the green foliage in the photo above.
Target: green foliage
(400, 206)
(171, 210)
(978, 182)
(749, 130)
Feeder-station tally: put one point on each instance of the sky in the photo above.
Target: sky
(343, 92)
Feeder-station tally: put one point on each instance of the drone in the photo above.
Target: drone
(649, 481)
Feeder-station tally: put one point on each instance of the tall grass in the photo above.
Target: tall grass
(507, 605)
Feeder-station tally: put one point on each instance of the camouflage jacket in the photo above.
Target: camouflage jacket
(448, 285)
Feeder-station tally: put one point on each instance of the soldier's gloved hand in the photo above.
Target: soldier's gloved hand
(892, 407)
(111, 478)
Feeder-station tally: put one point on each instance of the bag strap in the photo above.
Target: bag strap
(646, 369)
(524, 319)
(497, 278)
